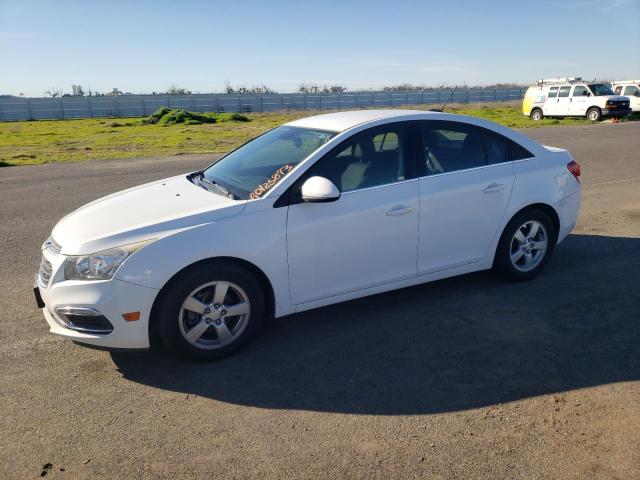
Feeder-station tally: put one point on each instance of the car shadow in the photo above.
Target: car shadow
(460, 343)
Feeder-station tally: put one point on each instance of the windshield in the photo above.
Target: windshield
(599, 89)
(253, 169)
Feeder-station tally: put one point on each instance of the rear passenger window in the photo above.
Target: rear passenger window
(518, 152)
(564, 91)
(500, 149)
(449, 147)
(553, 92)
(497, 148)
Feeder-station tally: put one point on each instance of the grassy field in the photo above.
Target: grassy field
(36, 142)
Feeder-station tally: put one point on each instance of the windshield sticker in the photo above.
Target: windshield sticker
(275, 178)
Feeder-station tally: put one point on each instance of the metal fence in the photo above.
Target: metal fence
(17, 108)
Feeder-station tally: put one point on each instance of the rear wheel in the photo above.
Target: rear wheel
(210, 311)
(536, 114)
(525, 246)
(594, 114)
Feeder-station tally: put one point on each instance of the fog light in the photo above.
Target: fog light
(82, 319)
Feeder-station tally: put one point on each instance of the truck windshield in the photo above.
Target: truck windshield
(252, 170)
(599, 89)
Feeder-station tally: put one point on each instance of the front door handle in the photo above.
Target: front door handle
(493, 187)
(399, 210)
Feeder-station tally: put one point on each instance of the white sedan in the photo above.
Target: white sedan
(314, 212)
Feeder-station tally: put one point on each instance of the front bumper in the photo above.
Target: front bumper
(110, 298)
(616, 112)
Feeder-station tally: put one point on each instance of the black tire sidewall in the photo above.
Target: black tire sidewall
(502, 262)
(183, 284)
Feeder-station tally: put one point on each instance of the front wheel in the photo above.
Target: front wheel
(525, 246)
(594, 114)
(210, 311)
(536, 115)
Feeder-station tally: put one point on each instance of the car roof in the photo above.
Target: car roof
(341, 121)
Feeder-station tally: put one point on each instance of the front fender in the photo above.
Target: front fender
(258, 236)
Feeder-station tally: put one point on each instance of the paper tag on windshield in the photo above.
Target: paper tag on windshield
(266, 186)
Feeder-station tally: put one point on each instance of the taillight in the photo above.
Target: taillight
(574, 168)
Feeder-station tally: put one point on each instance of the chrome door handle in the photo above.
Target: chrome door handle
(493, 187)
(399, 210)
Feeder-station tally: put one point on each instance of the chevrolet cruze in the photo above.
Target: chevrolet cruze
(314, 212)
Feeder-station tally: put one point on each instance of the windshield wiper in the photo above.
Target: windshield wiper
(203, 180)
(218, 187)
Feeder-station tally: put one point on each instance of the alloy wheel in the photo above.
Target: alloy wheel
(528, 246)
(214, 315)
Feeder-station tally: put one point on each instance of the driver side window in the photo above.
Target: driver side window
(371, 158)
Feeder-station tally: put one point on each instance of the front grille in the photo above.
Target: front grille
(44, 274)
(617, 104)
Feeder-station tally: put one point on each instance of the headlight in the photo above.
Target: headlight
(100, 265)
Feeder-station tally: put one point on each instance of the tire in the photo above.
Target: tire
(594, 114)
(520, 257)
(194, 313)
(536, 114)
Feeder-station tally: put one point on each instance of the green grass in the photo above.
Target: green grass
(49, 141)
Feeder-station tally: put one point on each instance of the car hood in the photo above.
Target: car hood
(148, 211)
(617, 98)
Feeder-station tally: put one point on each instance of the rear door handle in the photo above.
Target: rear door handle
(493, 187)
(399, 210)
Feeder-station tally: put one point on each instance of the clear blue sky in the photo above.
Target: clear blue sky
(144, 46)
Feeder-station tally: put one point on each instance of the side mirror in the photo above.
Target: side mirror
(318, 190)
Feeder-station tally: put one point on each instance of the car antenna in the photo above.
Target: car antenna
(445, 103)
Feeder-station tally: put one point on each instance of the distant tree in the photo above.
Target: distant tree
(260, 89)
(173, 90)
(54, 92)
(263, 89)
(404, 87)
(337, 89)
(315, 88)
(304, 88)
